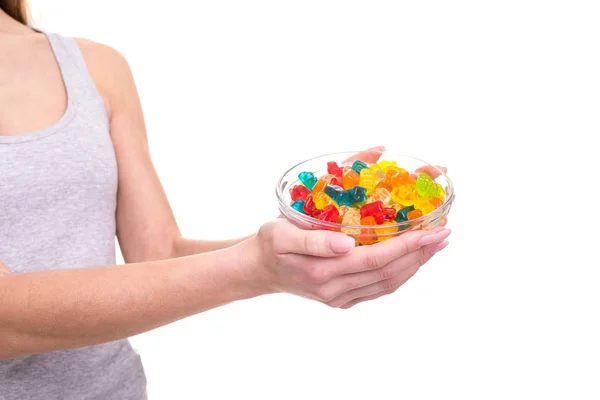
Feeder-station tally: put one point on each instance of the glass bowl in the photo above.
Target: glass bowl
(364, 234)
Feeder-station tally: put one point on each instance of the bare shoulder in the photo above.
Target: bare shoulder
(109, 70)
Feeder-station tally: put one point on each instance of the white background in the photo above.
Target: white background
(506, 94)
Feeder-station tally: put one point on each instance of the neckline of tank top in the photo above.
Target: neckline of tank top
(55, 127)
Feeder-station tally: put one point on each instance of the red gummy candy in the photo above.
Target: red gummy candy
(380, 217)
(334, 169)
(329, 214)
(390, 214)
(371, 209)
(309, 206)
(336, 181)
(299, 192)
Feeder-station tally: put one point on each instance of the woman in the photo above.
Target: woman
(74, 171)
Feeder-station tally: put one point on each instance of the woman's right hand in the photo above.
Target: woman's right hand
(327, 267)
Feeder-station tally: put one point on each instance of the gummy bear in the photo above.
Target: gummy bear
(357, 194)
(374, 167)
(298, 205)
(380, 194)
(358, 166)
(441, 193)
(329, 214)
(390, 213)
(308, 179)
(380, 217)
(299, 192)
(336, 193)
(346, 199)
(436, 202)
(423, 204)
(384, 185)
(350, 179)
(322, 200)
(334, 169)
(367, 235)
(380, 176)
(368, 179)
(351, 217)
(403, 195)
(310, 207)
(401, 178)
(335, 181)
(425, 186)
(403, 213)
(371, 209)
(319, 186)
(387, 165)
(414, 214)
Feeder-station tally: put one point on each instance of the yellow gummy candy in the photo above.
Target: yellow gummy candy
(322, 200)
(368, 179)
(403, 195)
(423, 204)
(387, 165)
(441, 192)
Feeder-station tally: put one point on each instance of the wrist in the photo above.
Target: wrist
(247, 267)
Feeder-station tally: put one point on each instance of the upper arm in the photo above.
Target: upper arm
(146, 227)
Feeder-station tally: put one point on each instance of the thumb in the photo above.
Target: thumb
(318, 243)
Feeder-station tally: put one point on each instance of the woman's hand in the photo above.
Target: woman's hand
(327, 267)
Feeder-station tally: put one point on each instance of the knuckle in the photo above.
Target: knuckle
(371, 262)
(317, 274)
(387, 285)
(384, 273)
(422, 259)
(312, 242)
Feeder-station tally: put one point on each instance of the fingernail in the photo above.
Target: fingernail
(342, 243)
(435, 237)
(440, 246)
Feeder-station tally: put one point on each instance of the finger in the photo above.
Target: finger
(365, 284)
(432, 171)
(391, 287)
(375, 256)
(408, 273)
(290, 239)
(368, 156)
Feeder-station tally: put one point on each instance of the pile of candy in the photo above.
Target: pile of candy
(366, 194)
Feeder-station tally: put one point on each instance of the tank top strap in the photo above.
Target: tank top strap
(81, 90)
(73, 68)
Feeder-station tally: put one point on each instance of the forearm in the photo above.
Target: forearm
(185, 247)
(53, 310)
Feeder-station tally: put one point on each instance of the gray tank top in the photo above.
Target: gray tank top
(58, 191)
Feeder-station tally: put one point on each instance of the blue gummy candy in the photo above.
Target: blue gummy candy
(308, 179)
(335, 192)
(403, 214)
(298, 205)
(358, 166)
(357, 194)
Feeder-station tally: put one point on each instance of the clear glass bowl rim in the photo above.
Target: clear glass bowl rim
(439, 212)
